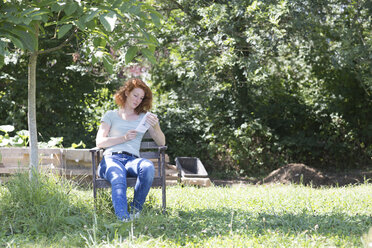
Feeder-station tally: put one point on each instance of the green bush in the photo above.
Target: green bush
(248, 90)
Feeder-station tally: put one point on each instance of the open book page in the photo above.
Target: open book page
(143, 125)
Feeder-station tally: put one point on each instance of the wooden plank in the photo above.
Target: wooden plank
(19, 156)
(15, 161)
(149, 155)
(149, 145)
(77, 159)
(171, 174)
(78, 154)
(77, 172)
(14, 170)
(24, 161)
(102, 183)
(47, 151)
(147, 136)
(16, 151)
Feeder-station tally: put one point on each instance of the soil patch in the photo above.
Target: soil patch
(303, 174)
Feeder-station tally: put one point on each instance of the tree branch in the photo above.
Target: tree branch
(59, 46)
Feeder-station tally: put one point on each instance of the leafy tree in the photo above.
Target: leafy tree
(256, 84)
(23, 24)
(72, 92)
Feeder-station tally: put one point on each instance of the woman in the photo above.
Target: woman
(121, 141)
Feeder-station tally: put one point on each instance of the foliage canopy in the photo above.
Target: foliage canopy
(263, 83)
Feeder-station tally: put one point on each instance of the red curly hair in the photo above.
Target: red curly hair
(120, 95)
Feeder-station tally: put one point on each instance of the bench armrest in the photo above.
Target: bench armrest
(95, 149)
(162, 148)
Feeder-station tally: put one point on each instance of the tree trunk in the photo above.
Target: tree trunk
(32, 114)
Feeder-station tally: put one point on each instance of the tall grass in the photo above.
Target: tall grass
(56, 213)
(42, 207)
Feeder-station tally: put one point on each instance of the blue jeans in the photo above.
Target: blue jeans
(115, 169)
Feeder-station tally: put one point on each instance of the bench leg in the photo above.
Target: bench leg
(95, 195)
(164, 196)
(164, 200)
(94, 161)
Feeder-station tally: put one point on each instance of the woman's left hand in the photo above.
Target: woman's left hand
(155, 130)
(152, 120)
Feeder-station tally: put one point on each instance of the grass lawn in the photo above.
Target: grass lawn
(56, 213)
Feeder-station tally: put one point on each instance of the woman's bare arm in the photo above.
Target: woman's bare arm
(155, 130)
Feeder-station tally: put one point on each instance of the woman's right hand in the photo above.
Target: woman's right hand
(131, 134)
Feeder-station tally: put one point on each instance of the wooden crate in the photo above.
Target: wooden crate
(18, 159)
(68, 162)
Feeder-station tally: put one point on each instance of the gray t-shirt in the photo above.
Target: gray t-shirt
(119, 127)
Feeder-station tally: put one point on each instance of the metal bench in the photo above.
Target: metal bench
(150, 150)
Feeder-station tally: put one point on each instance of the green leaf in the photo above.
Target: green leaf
(27, 20)
(37, 18)
(143, 16)
(23, 134)
(1, 60)
(132, 51)
(29, 11)
(149, 55)
(124, 7)
(120, 44)
(57, 7)
(145, 43)
(99, 42)
(7, 128)
(81, 143)
(80, 24)
(134, 9)
(117, 3)
(91, 25)
(109, 21)
(145, 34)
(63, 30)
(92, 14)
(38, 15)
(155, 18)
(70, 8)
(107, 62)
(55, 141)
(16, 41)
(28, 39)
(14, 19)
(153, 39)
(94, 59)
(151, 48)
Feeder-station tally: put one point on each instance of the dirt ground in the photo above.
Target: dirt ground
(303, 174)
